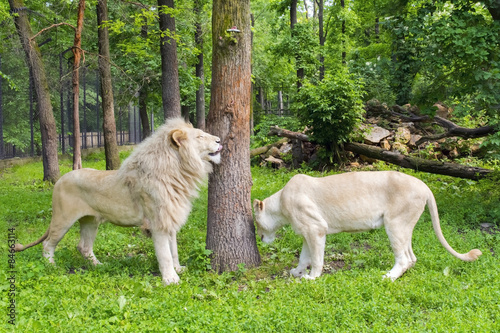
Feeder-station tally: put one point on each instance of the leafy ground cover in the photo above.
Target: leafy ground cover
(125, 294)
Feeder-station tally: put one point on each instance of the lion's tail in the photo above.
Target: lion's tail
(20, 247)
(469, 256)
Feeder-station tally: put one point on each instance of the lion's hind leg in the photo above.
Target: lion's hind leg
(88, 233)
(59, 226)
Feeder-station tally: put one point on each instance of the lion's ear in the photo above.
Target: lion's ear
(176, 137)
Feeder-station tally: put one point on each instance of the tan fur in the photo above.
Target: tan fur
(351, 202)
(153, 190)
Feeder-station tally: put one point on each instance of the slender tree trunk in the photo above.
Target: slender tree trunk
(321, 40)
(46, 116)
(77, 52)
(200, 73)
(231, 232)
(342, 4)
(143, 97)
(293, 22)
(171, 96)
(108, 108)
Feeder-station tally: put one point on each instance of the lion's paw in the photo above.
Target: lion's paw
(308, 277)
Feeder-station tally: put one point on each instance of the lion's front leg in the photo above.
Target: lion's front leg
(162, 245)
(175, 256)
(304, 261)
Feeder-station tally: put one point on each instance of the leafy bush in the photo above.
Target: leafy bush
(331, 109)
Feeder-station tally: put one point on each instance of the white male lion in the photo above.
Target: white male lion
(153, 189)
(350, 202)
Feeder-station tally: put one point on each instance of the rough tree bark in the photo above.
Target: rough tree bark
(200, 93)
(415, 163)
(77, 52)
(108, 108)
(143, 96)
(171, 96)
(46, 116)
(231, 232)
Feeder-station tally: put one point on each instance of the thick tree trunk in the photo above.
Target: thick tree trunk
(231, 232)
(46, 117)
(171, 96)
(200, 73)
(77, 52)
(108, 108)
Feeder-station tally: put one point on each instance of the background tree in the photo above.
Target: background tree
(168, 49)
(109, 124)
(77, 53)
(46, 116)
(230, 228)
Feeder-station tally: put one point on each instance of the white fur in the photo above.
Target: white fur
(350, 202)
(153, 189)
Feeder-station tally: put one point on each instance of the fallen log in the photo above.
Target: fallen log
(415, 163)
(262, 150)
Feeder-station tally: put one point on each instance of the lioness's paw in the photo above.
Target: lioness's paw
(171, 280)
(180, 269)
(308, 277)
(297, 272)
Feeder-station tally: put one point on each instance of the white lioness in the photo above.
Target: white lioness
(153, 189)
(350, 202)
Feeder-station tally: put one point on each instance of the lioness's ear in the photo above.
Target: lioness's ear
(176, 137)
(257, 204)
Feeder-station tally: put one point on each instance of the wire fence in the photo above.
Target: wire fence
(19, 115)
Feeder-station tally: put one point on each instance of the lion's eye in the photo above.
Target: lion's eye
(201, 136)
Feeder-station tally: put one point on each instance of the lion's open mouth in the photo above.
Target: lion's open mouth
(216, 152)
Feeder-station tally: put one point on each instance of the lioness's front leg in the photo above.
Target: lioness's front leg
(316, 243)
(304, 261)
(161, 242)
(173, 249)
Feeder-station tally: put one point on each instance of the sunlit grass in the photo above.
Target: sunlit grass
(440, 294)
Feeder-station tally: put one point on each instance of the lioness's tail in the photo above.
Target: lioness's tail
(20, 247)
(469, 256)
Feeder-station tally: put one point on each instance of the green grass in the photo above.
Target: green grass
(440, 294)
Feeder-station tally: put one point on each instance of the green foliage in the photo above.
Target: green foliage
(331, 109)
(264, 123)
(125, 294)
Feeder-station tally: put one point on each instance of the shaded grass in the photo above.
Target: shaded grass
(440, 293)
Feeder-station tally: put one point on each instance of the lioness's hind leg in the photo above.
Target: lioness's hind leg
(400, 233)
(88, 233)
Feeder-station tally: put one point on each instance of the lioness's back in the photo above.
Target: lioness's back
(354, 193)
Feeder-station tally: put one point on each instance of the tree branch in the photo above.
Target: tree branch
(52, 26)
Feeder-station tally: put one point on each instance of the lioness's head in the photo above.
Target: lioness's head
(192, 140)
(264, 221)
